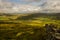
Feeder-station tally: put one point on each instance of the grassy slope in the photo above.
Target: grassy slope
(40, 19)
(25, 27)
(32, 19)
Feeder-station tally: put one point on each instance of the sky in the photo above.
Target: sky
(32, 2)
(30, 6)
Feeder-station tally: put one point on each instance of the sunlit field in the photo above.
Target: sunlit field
(26, 26)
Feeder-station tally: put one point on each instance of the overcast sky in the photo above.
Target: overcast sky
(26, 6)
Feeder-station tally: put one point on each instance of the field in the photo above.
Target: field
(26, 26)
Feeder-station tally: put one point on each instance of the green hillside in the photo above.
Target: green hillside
(26, 26)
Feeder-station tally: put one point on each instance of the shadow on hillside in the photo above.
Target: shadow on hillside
(36, 15)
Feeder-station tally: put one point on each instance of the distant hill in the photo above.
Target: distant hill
(32, 16)
(29, 16)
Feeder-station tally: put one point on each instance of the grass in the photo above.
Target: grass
(3, 18)
(27, 27)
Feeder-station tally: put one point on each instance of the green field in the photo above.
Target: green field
(26, 26)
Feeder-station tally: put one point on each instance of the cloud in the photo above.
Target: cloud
(8, 7)
(51, 6)
(3, 0)
(35, 6)
(32, 0)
